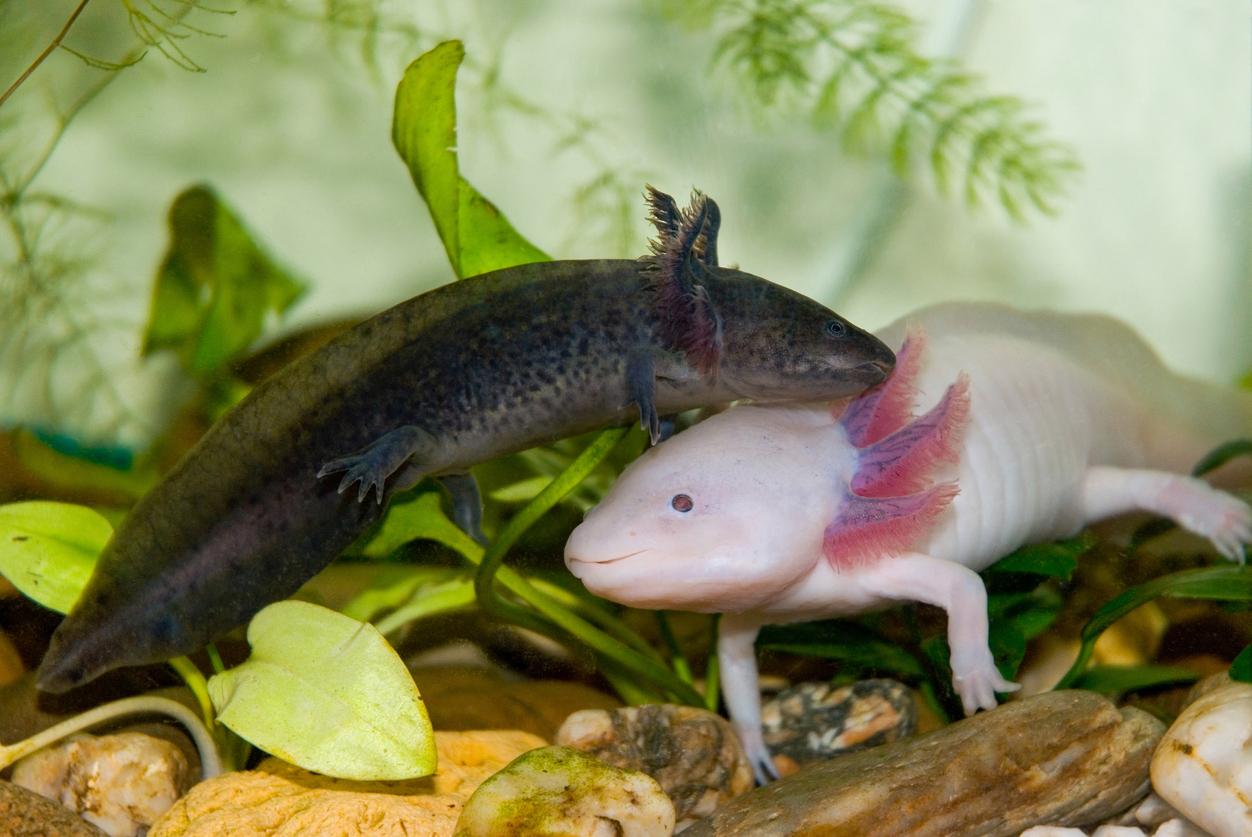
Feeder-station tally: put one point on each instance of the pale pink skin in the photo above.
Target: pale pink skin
(1072, 419)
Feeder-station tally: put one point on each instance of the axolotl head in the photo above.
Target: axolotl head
(718, 518)
(727, 515)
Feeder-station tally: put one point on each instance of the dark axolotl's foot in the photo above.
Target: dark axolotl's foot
(372, 466)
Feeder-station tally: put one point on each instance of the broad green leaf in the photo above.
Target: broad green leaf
(326, 693)
(1226, 583)
(215, 288)
(1117, 680)
(48, 550)
(416, 517)
(1015, 619)
(1241, 667)
(475, 233)
(1054, 560)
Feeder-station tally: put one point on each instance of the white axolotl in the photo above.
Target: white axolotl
(1038, 424)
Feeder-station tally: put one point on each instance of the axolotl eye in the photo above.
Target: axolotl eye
(682, 503)
(835, 328)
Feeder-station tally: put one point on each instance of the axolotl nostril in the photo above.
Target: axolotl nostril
(465, 373)
(1034, 425)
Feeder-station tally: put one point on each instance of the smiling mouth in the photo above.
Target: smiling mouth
(610, 560)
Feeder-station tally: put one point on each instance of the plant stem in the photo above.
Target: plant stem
(713, 669)
(194, 678)
(593, 637)
(681, 667)
(210, 761)
(52, 45)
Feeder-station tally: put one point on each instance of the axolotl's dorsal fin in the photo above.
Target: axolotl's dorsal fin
(891, 500)
(683, 251)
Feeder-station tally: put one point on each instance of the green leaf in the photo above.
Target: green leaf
(475, 233)
(1117, 680)
(418, 516)
(326, 693)
(215, 288)
(48, 550)
(392, 586)
(1241, 667)
(1054, 560)
(1231, 584)
(522, 491)
(849, 643)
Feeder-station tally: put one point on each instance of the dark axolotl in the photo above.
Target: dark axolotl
(462, 374)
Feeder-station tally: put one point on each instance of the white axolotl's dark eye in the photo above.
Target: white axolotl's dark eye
(836, 328)
(682, 503)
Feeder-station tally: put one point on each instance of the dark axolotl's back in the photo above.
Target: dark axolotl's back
(459, 375)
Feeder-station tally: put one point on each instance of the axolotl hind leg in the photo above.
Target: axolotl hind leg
(1191, 503)
(409, 447)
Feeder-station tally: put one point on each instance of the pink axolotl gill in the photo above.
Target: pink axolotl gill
(1035, 425)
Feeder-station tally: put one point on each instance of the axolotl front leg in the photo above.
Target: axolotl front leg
(910, 577)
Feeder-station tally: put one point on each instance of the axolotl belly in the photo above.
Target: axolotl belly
(1034, 425)
(459, 375)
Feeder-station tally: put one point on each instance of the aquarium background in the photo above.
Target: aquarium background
(565, 111)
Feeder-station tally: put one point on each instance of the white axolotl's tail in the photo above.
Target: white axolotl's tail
(1183, 418)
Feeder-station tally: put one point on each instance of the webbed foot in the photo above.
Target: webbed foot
(758, 755)
(977, 681)
(372, 466)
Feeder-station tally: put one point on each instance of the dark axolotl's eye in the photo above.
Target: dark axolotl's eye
(682, 503)
(836, 328)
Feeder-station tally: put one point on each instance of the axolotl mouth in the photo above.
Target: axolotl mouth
(575, 564)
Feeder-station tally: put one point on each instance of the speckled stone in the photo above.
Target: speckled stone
(813, 721)
(694, 754)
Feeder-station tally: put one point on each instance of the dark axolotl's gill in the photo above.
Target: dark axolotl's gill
(462, 374)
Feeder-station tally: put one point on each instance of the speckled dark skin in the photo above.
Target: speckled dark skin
(484, 367)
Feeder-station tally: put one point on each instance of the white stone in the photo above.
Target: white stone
(1203, 765)
(121, 783)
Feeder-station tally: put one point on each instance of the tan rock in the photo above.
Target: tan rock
(562, 792)
(120, 783)
(1066, 758)
(24, 813)
(280, 800)
(1203, 766)
(692, 753)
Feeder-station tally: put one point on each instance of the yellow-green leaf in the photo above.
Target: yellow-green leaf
(417, 517)
(326, 693)
(48, 550)
(475, 233)
(215, 287)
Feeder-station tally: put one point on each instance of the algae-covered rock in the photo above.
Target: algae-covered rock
(24, 813)
(280, 800)
(561, 792)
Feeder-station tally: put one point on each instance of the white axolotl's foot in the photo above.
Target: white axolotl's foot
(753, 741)
(1192, 503)
(976, 678)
